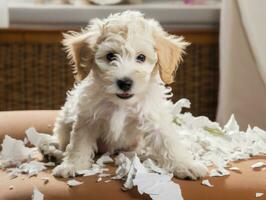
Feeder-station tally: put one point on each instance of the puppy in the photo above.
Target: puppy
(122, 64)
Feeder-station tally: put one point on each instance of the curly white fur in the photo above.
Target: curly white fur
(93, 111)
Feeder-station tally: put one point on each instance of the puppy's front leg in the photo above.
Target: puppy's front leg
(166, 148)
(79, 153)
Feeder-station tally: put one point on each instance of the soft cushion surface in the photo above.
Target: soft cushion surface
(242, 185)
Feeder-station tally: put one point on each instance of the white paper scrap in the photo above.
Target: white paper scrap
(153, 167)
(231, 125)
(99, 179)
(258, 165)
(180, 104)
(207, 183)
(25, 141)
(73, 183)
(49, 164)
(14, 150)
(259, 194)
(34, 137)
(234, 169)
(169, 191)
(32, 168)
(123, 164)
(104, 159)
(13, 172)
(104, 175)
(159, 187)
(135, 167)
(219, 172)
(95, 169)
(37, 195)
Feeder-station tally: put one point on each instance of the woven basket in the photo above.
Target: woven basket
(36, 75)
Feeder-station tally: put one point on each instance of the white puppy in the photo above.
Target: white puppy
(122, 64)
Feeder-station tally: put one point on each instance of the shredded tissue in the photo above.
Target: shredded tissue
(202, 137)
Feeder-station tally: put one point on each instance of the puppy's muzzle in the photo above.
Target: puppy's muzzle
(125, 85)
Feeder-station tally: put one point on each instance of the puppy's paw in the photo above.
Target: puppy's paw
(192, 170)
(69, 168)
(64, 170)
(49, 149)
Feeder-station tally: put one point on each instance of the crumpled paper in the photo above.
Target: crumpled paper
(258, 165)
(207, 183)
(104, 159)
(32, 168)
(14, 152)
(203, 139)
(37, 195)
(259, 194)
(148, 178)
(73, 183)
(34, 137)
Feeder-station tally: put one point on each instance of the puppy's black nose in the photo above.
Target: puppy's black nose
(124, 84)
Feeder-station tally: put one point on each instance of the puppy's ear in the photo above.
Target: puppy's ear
(169, 49)
(79, 53)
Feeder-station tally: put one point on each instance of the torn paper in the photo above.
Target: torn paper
(158, 185)
(104, 159)
(95, 169)
(99, 179)
(37, 195)
(259, 194)
(258, 165)
(14, 150)
(123, 164)
(206, 183)
(135, 167)
(49, 164)
(32, 168)
(104, 175)
(149, 164)
(236, 169)
(13, 172)
(231, 126)
(219, 172)
(34, 137)
(73, 183)
(180, 104)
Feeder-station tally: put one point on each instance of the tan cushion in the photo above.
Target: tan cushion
(236, 186)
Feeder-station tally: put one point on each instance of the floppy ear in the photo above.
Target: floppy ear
(79, 53)
(169, 50)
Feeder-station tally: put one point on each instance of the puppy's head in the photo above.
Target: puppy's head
(126, 53)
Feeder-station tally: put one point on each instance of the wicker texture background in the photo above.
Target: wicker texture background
(36, 75)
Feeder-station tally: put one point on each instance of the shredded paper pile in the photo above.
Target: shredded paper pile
(209, 143)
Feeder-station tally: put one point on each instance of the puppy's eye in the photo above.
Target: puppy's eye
(110, 57)
(141, 58)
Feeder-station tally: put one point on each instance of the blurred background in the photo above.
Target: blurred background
(223, 71)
